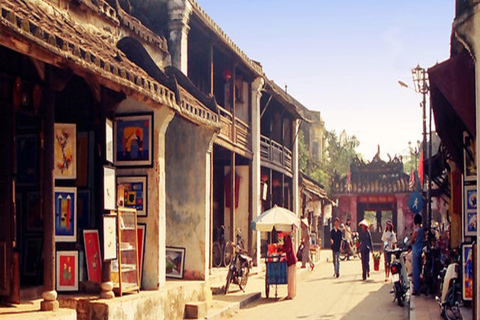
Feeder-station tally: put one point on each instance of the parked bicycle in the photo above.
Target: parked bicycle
(221, 254)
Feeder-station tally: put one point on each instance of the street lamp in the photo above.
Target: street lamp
(420, 81)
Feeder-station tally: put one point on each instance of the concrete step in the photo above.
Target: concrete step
(195, 310)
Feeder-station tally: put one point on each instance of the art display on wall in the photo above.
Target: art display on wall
(65, 214)
(133, 135)
(65, 151)
(469, 165)
(470, 210)
(109, 194)
(92, 255)
(109, 237)
(67, 270)
(467, 270)
(109, 140)
(175, 262)
(34, 219)
(33, 254)
(26, 160)
(135, 193)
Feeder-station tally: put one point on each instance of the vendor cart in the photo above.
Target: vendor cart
(276, 272)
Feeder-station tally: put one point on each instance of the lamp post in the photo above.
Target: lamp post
(420, 80)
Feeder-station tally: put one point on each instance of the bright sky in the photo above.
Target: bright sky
(344, 58)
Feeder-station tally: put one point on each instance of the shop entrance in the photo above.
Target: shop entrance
(377, 214)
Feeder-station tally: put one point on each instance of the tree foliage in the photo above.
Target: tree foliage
(337, 156)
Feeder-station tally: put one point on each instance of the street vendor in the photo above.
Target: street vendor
(289, 250)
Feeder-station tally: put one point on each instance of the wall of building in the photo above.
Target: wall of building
(154, 257)
(188, 194)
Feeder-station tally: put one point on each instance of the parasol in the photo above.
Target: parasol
(277, 217)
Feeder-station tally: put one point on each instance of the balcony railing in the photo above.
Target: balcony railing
(239, 135)
(275, 153)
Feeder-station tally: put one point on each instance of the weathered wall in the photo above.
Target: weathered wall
(154, 257)
(241, 213)
(188, 194)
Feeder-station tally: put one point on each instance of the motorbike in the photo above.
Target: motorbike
(399, 275)
(240, 266)
(347, 249)
(450, 290)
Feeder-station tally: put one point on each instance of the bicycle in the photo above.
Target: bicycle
(218, 248)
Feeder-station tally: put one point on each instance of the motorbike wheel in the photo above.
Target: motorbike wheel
(452, 312)
(227, 254)
(229, 279)
(245, 273)
(217, 255)
(399, 293)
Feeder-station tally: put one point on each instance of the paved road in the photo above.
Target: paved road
(321, 297)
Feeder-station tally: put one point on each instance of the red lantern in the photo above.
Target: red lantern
(227, 74)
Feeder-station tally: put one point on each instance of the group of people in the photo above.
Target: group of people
(389, 241)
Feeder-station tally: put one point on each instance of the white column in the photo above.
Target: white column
(179, 15)
(257, 86)
(296, 173)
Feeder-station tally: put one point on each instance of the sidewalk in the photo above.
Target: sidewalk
(426, 308)
(227, 304)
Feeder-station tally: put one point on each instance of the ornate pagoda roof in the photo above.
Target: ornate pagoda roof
(375, 177)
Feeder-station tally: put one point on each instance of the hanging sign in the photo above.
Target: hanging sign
(415, 202)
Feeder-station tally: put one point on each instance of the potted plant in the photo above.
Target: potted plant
(376, 260)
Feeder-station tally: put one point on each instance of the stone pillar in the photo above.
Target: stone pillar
(179, 14)
(257, 86)
(49, 294)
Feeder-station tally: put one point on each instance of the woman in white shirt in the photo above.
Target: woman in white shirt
(389, 241)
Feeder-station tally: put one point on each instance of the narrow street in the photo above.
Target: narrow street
(320, 296)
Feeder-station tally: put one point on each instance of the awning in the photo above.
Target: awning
(452, 94)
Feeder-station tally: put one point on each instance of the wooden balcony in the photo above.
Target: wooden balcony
(238, 135)
(276, 154)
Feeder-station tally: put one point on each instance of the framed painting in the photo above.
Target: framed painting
(34, 218)
(83, 209)
(141, 235)
(135, 193)
(26, 160)
(67, 270)
(92, 255)
(467, 267)
(469, 165)
(109, 140)
(133, 135)
(65, 214)
(470, 212)
(109, 237)
(33, 256)
(65, 151)
(109, 194)
(175, 262)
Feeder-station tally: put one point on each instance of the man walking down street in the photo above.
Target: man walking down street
(306, 243)
(336, 240)
(365, 247)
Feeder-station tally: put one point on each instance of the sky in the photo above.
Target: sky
(345, 58)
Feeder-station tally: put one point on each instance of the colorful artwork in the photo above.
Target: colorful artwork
(471, 197)
(471, 220)
(33, 255)
(26, 160)
(135, 193)
(67, 270)
(175, 262)
(109, 237)
(34, 219)
(141, 234)
(467, 261)
(65, 151)
(65, 214)
(470, 167)
(133, 140)
(92, 255)
(470, 211)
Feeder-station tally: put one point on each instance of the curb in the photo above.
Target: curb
(232, 307)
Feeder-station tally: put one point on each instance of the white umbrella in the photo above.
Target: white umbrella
(277, 217)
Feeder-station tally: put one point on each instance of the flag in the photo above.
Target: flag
(420, 169)
(411, 182)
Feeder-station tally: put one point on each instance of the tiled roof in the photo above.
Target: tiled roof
(88, 48)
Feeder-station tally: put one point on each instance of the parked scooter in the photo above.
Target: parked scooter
(450, 290)
(239, 268)
(399, 274)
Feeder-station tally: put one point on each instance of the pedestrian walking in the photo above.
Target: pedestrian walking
(417, 244)
(289, 250)
(306, 244)
(365, 247)
(389, 241)
(336, 240)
